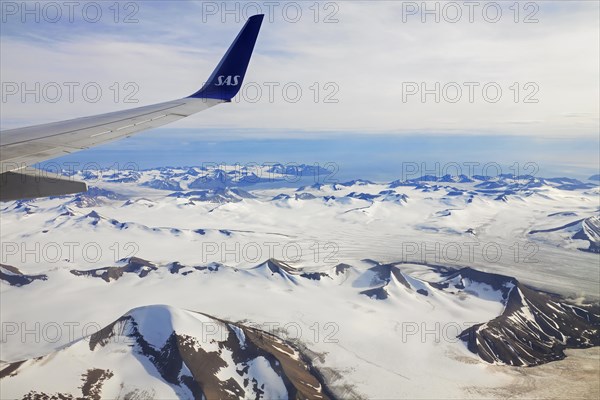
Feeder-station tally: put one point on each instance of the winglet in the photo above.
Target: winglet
(227, 78)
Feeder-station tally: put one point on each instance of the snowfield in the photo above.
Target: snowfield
(234, 283)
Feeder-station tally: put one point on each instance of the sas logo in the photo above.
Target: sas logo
(223, 80)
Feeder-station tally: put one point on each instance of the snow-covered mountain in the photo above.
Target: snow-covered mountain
(14, 277)
(373, 287)
(160, 352)
(587, 229)
(532, 328)
(209, 177)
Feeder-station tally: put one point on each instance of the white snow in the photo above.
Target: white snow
(404, 346)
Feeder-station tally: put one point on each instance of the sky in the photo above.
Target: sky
(348, 81)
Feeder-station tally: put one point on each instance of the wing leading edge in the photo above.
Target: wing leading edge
(22, 147)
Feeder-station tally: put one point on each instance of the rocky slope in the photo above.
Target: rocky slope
(184, 354)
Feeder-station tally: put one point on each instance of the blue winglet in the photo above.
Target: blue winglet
(227, 78)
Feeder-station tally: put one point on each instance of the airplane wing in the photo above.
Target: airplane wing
(22, 147)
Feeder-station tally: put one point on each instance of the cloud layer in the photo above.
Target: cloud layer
(356, 74)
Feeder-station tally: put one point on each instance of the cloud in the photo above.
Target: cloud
(365, 62)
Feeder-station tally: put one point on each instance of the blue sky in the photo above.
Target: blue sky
(353, 63)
